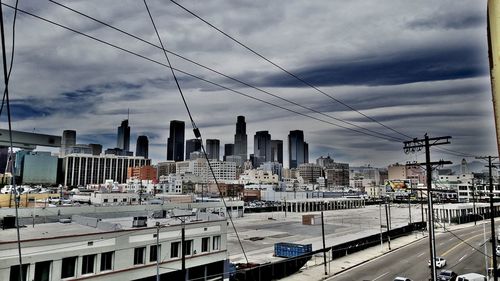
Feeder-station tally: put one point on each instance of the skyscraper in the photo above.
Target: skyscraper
(192, 145)
(175, 142)
(261, 148)
(277, 151)
(142, 146)
(240, 139)
(213, 148)
(228, 150)
(68, 139)
(298, 150)
(123, 140)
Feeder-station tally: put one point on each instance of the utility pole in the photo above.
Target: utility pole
(388, 226)
(417, 145)
(492, 217)
(324, 244)
(474, 202)
(158, 251)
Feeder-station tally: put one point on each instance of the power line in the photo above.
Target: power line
(195, 76)
(14, 20)
(286, 71)
(218, 72)
(196, 131)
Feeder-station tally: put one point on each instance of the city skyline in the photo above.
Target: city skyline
(416, 67)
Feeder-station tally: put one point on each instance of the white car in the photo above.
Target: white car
(498, 250)
(440, 262)
(402, 279)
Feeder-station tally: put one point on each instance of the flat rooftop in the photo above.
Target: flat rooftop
(58, 229)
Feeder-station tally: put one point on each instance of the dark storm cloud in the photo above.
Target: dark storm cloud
(409, 66)
(21, 111)
(449, 21)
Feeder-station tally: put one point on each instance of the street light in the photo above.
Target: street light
(485, 249)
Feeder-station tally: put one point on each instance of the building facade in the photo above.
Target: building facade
(192, 145)
(213, 148)
(123, 138)
(83, 169)
(277, 151)
(39, 168)
(142, 146)
(261, 148)
(298, 150)
(142, 173)
(240, 139)
(175, 142)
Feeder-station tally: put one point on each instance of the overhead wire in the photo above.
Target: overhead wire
(286, 71)
(196, 76)
(195, 128)
(5, 99)
(220, 73)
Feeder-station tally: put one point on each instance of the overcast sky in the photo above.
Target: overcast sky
(415, 66)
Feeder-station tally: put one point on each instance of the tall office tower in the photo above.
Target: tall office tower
(68, 139)
(123, 140)
(192, 145)
(240, 138)
(228, 150)
(95, 148)
(261, 148)
(277, 151)
(4, 155)
(175, 142)
(142, 146)
(213, 148)
(298, 150)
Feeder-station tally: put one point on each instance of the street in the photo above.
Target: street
(411, 261)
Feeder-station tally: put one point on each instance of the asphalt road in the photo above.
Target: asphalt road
(411, 261)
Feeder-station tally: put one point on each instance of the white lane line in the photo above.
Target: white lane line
(451, 238)
(380, 276)
(462, 258)
(421, 254)
(441, 244)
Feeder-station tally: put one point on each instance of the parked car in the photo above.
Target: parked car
(440, 262)
(402, 279)
(447, 275)
(497, 251)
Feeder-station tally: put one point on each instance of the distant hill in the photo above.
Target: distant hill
(474, 167)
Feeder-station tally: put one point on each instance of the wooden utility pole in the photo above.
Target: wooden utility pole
(417, 145)
(492, 217)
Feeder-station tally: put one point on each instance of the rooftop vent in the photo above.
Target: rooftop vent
(140, 221)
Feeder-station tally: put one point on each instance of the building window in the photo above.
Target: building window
(68, 267)
(139, 255)
(124, 200)
(88, 264)
(205, 244)
(115, 200)
(174, 249)
(188, 247)
(14, 272)
(216, 243)
(153, 254)
(107, 261)
(105, 200)
(42, 271)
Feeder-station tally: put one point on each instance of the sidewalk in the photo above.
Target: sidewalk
(314, 270)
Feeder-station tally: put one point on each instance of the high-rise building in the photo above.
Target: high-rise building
(192, 145)
(213, 148)
(95, 148)
(123, 140)
(39, 168)
(240, 138)
(261, 148)
(142, 146)
(83, 169)
(277, 151)
(228, 150)
(68, 139)
(175, 142)
(298, 150)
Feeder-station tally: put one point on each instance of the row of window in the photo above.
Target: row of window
(88, 262)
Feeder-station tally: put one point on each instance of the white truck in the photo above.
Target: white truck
(471, 277)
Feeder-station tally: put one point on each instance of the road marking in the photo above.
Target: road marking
(461, 242)
(441, 244)
(421, 254)
(381, 276)
(462, 258)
